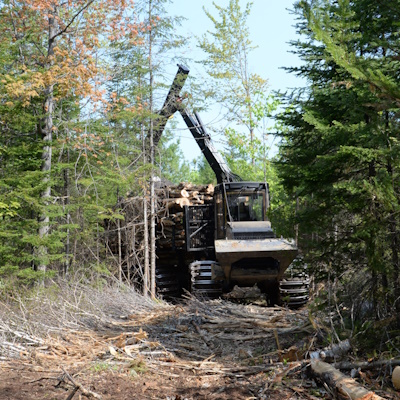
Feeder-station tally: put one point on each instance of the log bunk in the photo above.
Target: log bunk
(171, 202)
(125, 238)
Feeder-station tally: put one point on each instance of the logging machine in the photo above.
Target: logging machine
(230, 241)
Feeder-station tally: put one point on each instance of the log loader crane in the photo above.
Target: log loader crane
(229, 242)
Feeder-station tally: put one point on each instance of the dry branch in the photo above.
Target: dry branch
(83, 323)
(78, 386)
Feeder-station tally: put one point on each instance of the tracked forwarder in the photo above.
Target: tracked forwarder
(228, 241)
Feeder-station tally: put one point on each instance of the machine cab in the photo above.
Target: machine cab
(240, 211)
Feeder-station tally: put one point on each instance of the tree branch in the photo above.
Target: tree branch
(59, 33)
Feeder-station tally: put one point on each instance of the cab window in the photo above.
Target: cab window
(246, 206)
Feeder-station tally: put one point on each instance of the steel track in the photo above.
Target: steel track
(202, 284)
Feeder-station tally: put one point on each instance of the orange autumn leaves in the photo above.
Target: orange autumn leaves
(57, 43)
(88, 145)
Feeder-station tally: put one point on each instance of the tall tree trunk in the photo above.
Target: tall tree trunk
(67, 240)
(146, 272)
(119, 250)
(152, 194)
(47, 137)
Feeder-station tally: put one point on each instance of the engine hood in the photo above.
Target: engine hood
(249, 230)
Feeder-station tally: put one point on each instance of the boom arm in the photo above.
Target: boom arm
(173, 103)
(203, 139)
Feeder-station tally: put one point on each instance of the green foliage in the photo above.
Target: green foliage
(102, 366)
(339, 155)
(173, 166)
(99, 152)
(232, 85)
(9, 210)
(13, 279)
(201, 174)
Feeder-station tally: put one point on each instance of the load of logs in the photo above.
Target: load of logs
(125, 237)
(171, 203)
(184, 194)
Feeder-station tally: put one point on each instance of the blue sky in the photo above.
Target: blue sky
(271, 26)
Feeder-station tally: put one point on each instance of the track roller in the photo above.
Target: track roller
(202, 283)
(167, 282)
(295, 288)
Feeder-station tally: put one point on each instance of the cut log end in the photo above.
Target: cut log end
(396, 378)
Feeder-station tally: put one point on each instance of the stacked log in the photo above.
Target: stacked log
(185, 194)
(170, 231)
(125, 238)
(171, 203)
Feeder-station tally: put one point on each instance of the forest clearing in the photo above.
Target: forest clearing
(113, 343)
(121, 254)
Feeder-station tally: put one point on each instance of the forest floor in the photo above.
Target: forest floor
(197, 350)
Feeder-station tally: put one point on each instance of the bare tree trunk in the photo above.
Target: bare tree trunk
(128, 240)
(146, 272)
(344, 386)
(44, 220)
(47, 136)
(152, 235)
(119, 250)
(152, 196)
(67, 243)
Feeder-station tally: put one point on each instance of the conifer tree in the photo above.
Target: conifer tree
(50, 62)
(340, 154)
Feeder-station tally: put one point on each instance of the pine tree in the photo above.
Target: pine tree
(339, 154)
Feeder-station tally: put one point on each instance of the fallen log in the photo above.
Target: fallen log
(167, 222)
(366, 365)
(344, 386)
(333, 352)
(182, 202)
(197, 202)
(178, 216)
(185, 185)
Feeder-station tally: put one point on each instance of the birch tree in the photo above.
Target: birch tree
(227, 48)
